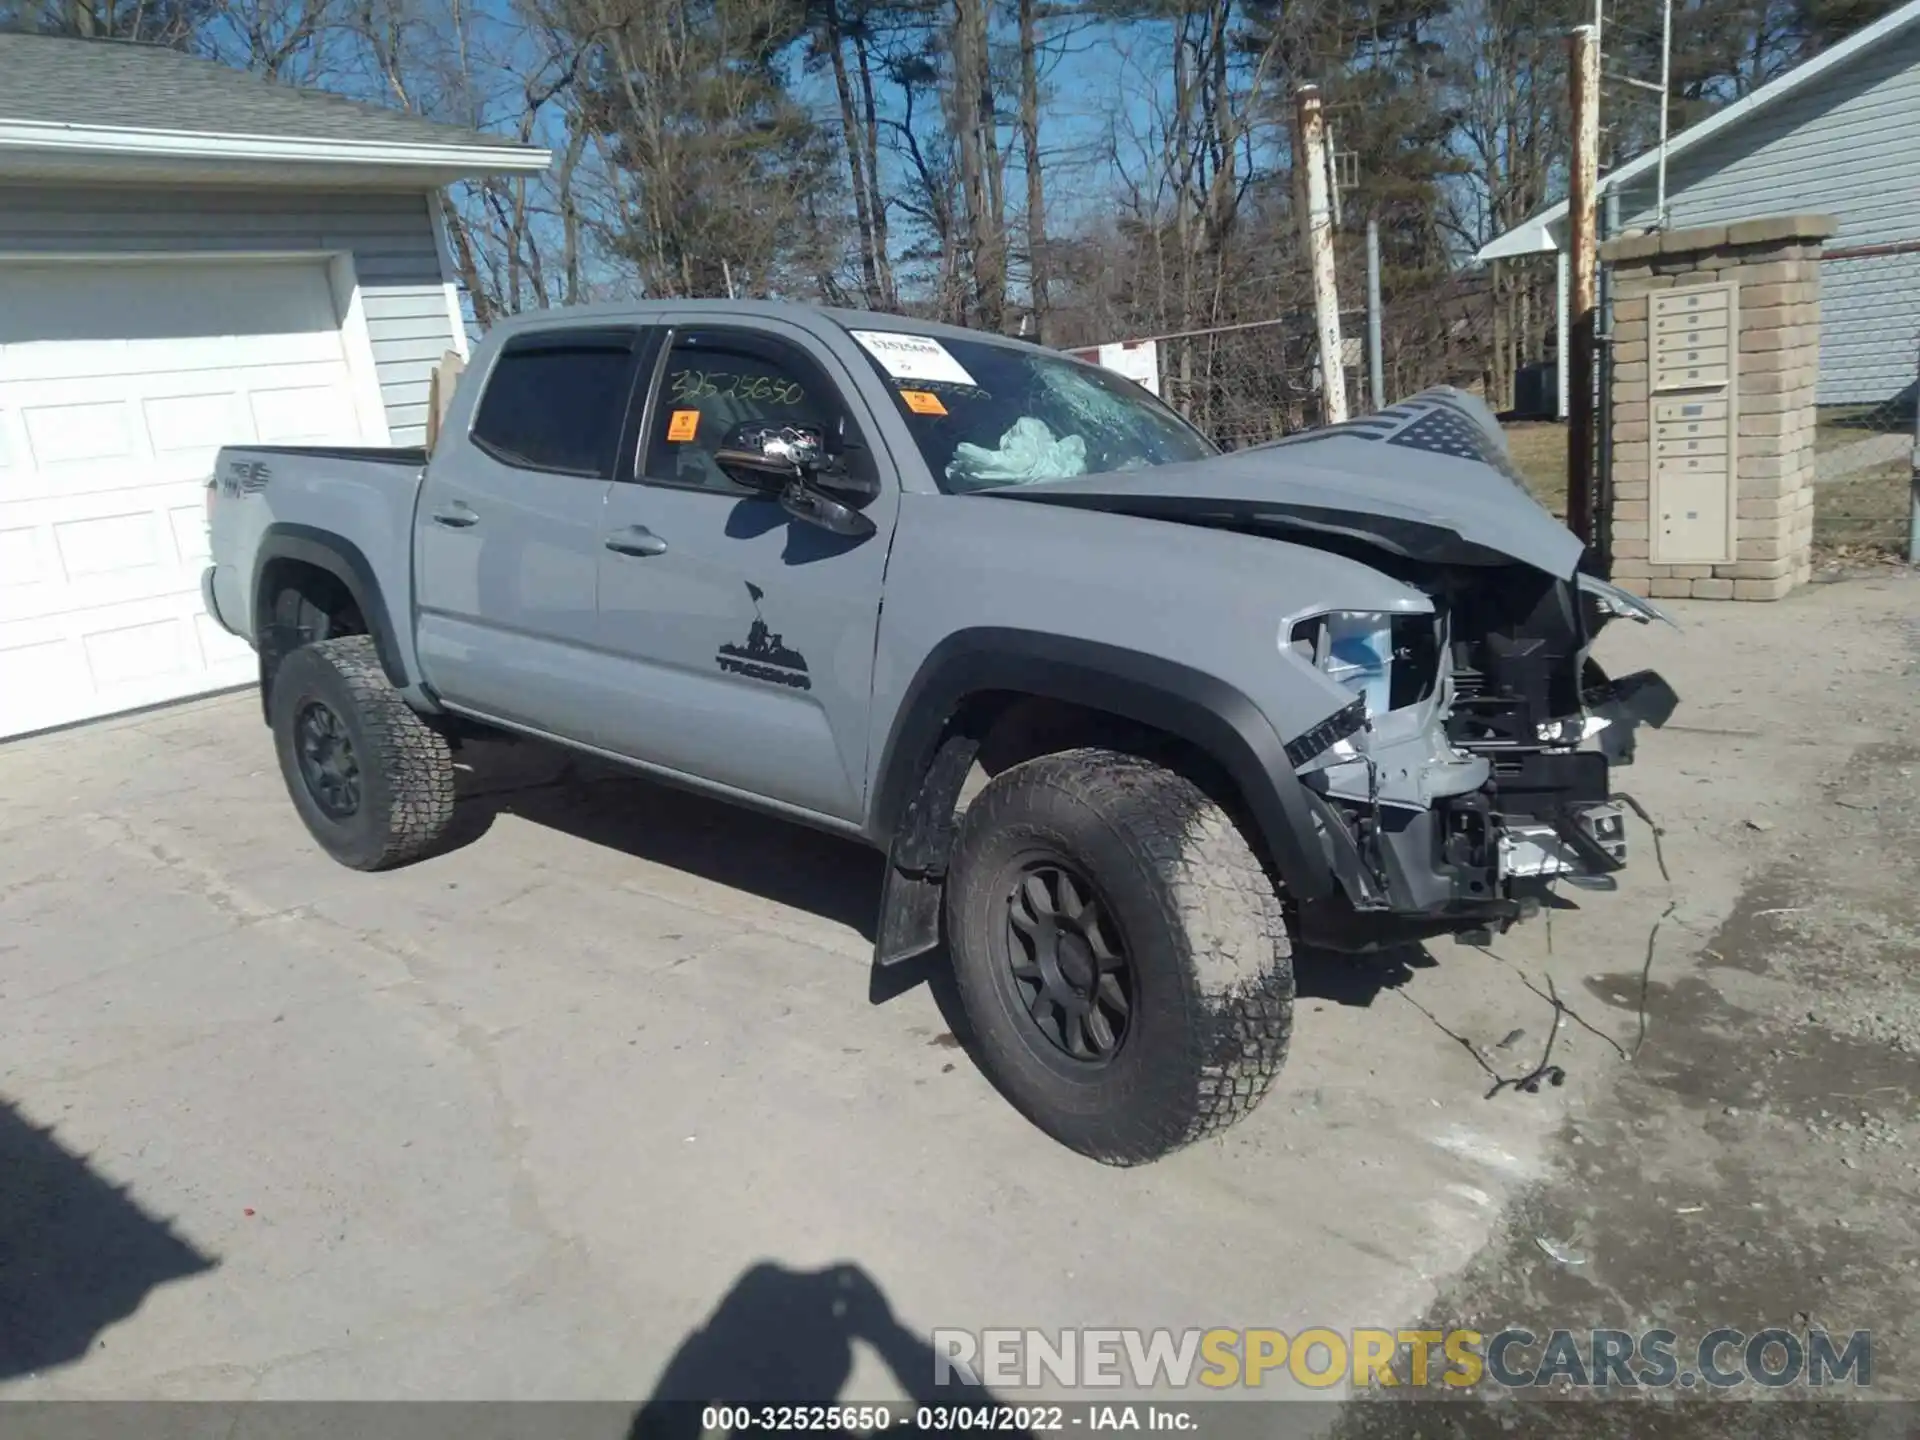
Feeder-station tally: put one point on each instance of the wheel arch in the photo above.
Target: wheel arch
(967, 680)
(285, 548)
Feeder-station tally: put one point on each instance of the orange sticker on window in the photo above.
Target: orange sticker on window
(923, 402)
(683, 426)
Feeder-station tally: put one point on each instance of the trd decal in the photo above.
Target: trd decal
(765, 655)
(245, 477)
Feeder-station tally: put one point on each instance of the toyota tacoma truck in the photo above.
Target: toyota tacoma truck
(1129, 716)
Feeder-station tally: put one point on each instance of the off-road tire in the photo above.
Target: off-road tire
(1198, 916)
(405, 767)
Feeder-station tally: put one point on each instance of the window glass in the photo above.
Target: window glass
(717, 379)
(987, 414)
(558, 401)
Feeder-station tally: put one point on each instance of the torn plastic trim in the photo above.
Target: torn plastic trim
(1346, 721)
(1642, 698)
(1623, 603)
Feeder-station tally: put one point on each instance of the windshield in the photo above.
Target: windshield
(986, 414)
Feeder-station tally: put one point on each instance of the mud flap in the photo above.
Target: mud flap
(917, 864)
(909, 916)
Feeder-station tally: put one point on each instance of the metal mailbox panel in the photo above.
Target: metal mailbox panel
(1692, 368)
(1689, 411)
(1695, 300)
(1693, 519)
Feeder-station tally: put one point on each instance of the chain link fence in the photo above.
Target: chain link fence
(1249, 383)
(1866, 437)
(1241, 384)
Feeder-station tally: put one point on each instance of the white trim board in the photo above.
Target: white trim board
(443, 246)
(357, 341)
(34, 135)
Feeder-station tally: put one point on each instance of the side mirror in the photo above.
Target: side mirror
(818, 508)
(768, 457)
(790, 463)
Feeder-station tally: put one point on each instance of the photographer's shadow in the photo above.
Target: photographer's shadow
(785, 1338)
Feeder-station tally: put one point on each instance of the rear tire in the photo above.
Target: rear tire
(1162, 1018)
(372, 781)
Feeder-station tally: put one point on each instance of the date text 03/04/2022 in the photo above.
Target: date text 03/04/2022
(985, 1416)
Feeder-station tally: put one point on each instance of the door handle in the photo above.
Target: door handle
(456, 516)
(636, 540)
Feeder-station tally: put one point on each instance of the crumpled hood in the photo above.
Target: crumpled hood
(1429, 478)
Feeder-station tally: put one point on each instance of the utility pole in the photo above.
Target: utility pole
(1583, 253)
(1666, 84)
(1376, 366)
(1316, 229)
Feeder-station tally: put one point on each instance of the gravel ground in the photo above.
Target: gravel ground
(610, 1087)
(1753, 1163)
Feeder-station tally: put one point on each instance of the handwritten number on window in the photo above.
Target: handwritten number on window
(690, 386)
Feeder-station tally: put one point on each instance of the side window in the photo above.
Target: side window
(557, 401)
(714, 380)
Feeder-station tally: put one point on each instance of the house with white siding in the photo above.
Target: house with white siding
(190, 256)
(1837, 135)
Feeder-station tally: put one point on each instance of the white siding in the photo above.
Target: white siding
(1848, 146)
(390, 236)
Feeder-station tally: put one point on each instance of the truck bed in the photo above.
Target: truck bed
(302, 494)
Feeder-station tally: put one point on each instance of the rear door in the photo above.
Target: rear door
(747, 635)
(511, 521)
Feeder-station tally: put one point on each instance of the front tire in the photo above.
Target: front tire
(372, 781)
(1121, 953)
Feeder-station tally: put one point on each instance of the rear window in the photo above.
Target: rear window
(558, 401)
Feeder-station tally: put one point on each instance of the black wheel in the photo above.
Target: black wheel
(1121, 953)
(372, 781)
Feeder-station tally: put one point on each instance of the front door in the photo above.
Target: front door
(511, 527)
(750, 634)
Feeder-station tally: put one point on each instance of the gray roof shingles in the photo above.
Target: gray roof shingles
(121, 85)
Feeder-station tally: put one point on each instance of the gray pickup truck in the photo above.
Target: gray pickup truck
(1130, 717)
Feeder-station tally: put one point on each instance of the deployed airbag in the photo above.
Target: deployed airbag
(1026, 453)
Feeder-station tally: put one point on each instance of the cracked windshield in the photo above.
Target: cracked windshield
(986, 415)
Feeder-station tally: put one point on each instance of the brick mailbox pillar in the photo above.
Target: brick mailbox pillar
(1716, 362)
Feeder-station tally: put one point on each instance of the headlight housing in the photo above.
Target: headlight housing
(1388, 660)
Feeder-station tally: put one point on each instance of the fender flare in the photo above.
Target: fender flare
(1147, 689)
(342, 559)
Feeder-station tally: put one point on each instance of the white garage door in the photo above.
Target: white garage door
(118, 382)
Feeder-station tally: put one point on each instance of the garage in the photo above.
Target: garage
(118, 384)
(190, 257)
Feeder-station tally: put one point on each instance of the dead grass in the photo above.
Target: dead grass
(1540, 450)
(1867, 511)
(1863, 511)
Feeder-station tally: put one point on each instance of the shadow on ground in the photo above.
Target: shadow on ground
(1355, 979)
(788, 864)
(786, 1338)
(76, 1254)
(730, 845)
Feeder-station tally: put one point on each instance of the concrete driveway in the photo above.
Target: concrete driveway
(515, 1121)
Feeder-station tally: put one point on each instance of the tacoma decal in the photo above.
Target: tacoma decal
(765, 656)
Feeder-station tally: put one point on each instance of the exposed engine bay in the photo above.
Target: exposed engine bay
(1474, 771)
(1471, 770)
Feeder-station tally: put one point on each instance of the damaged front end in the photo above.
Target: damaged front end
(1472, 770)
